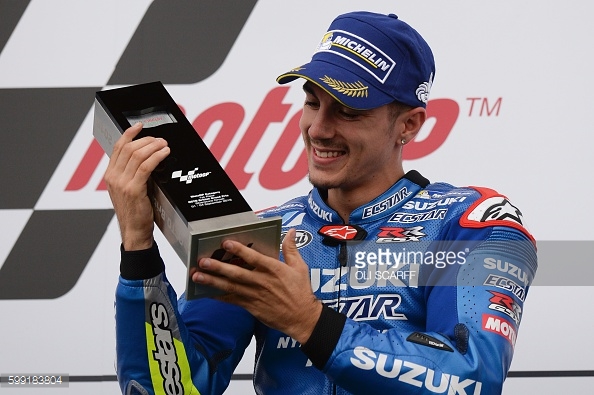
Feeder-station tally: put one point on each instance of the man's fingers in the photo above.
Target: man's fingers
(289, 246)
(230, 279)
(133, 131)
(139, 157)
(252, 257)
(263, 262)
(228, 270)
(292, 256)
(146, 159)
(127, 137)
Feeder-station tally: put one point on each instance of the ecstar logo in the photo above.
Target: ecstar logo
(409, 218)
(506, 284)
(386, 204)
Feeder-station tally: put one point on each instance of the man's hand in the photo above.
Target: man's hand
(129, 169)
(278, 294)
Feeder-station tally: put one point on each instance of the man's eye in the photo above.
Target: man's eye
(348, 114)
(311, 104)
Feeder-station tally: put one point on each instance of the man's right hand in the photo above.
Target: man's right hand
(129, 169)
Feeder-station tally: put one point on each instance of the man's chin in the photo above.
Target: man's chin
(321, 183)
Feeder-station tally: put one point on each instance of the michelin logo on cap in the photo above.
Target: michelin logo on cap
(359, 51)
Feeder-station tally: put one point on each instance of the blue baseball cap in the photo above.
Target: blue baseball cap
(366, 60)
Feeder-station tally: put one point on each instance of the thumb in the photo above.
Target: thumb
(290, 251)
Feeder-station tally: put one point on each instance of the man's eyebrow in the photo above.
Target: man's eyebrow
(308, 88)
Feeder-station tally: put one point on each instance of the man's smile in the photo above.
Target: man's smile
(328, 154)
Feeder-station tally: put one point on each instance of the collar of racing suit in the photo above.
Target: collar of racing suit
(383, 205)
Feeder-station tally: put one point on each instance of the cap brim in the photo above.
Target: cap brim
(347, 88)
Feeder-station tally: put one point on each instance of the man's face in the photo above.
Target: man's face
(348, 149)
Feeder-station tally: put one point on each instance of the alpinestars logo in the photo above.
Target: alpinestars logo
(188, 178)
(343, 232)
(493, 209)
(501, 209)
(165, 353)
(399, 235)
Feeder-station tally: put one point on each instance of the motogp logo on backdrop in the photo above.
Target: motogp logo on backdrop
(227, 121)
(57, 244)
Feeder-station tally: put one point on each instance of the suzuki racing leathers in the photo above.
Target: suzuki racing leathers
(423, 291)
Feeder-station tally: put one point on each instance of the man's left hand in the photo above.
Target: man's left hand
(276, 293)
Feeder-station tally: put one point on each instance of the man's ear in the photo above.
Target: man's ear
(413, 120)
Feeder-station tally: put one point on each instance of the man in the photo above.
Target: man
(396, 285)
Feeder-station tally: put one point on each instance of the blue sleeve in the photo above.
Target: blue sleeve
(163, 347)
(473, 316)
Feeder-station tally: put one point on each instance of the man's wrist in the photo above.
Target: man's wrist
(309, 324)
(141, 264)
(322, 341)
(131, 243)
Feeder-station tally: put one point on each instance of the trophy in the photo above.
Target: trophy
(195, 203)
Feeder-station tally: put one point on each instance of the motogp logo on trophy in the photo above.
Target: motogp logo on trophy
(188, 178)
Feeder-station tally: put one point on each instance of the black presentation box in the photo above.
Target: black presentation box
(195, 202)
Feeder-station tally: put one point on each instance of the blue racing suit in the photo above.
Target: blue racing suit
(423, 292)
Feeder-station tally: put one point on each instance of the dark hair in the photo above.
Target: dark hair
(397, 108)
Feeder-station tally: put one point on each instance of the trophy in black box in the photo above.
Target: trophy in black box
(195, 202)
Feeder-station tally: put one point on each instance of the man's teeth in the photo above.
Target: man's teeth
(328, 154)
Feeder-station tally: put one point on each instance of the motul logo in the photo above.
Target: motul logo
(500, 326)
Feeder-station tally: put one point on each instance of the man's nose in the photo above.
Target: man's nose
(322, 126)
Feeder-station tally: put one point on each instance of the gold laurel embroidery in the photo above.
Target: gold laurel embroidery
(354, 89)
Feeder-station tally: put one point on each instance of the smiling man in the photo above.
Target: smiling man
(397, 285)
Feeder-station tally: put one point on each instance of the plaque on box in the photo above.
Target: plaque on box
(196, 204)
